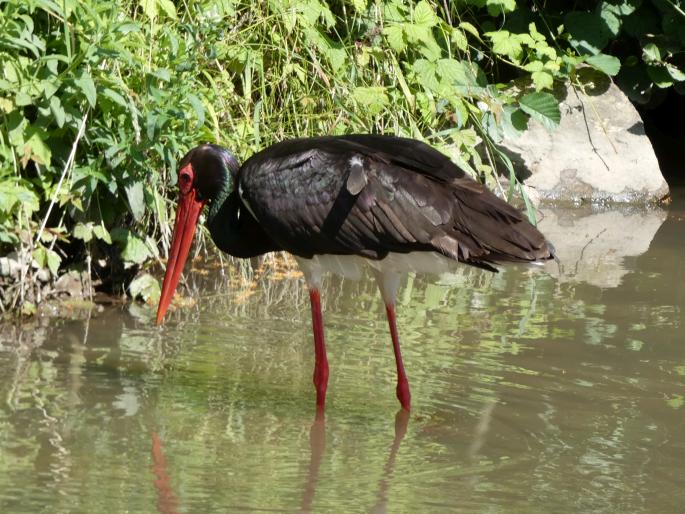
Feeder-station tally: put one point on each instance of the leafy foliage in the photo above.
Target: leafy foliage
(98, 100)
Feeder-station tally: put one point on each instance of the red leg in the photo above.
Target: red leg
(403, 394)
(320, 360)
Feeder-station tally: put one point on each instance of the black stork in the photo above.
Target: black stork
(341, 201)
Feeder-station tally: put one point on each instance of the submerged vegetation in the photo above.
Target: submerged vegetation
(98, 100)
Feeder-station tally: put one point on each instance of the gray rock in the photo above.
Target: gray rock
(598, 154)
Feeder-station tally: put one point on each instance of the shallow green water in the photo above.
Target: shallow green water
(553, 390)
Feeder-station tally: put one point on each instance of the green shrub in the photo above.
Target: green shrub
(99, 99)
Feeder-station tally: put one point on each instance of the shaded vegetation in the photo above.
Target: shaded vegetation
(98, 100)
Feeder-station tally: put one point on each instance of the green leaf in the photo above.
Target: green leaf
(199, 109)
(468, 27)
(115, 97)
(514, 121)
(607, 64)
(35, 148)
(610, 18)
(12, 194)
(675, 73)
(626, 7)
(426, 73)
(149, 8)
(359, 5)
(497, 7)
(459, 39)
(659, 75)
(589, 33)
(54, 261)
(168, 7)
(83, 232)
(543, 107)
(450, 70)
(542, 79)
(534, 34)
(373, 98)
(337, 57)
(101, 233)
(506, 43)
(136, 199)
(146, 287)
(134, 250)
(45, 257)
(395, 37)
(651, 53)
(57, 111)
(424, 15)
(418, 33)
(22, 98)
(87, 86)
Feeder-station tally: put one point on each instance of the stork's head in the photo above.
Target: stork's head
(205, 173)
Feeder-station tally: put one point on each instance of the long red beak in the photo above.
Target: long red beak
(187, 214)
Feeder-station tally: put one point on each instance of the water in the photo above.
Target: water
(552, 390)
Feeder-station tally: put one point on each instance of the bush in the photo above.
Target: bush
(99, 99)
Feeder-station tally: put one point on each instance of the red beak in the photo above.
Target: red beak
(187, 214)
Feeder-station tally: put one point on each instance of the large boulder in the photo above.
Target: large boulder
(599, 153)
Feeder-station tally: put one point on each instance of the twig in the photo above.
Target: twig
(67, 167)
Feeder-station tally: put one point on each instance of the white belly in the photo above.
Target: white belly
(351, 266)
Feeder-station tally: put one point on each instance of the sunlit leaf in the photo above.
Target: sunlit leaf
(542, 80)
(424, 15)
(514, 121)
(101, 233)
(395, 37)
(146, 287)
(426, 72)
(373, 98)
(459, 39)
(506, 43)
(136, 199)
(468, 27)
(199, 109)
(87, 86)
(651, 53)
(607, 64)
(497, 7)
(660, 75)
(83, 232)
(610, 18)
(675, 73)
(168, 7)
(359, 5)
(35, 148)
(543, 107)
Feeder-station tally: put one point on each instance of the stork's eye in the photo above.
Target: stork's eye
(185, 179)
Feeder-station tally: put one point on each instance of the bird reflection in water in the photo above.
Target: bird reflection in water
(167, 501)
(317, 446)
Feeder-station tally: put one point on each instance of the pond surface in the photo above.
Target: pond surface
(559, 389)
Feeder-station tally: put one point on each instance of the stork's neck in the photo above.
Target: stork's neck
(217, 205)
(233, 228)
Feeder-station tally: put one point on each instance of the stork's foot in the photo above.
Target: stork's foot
(321, 384)
(403, 394)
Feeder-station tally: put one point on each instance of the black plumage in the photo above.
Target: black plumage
(370, 195)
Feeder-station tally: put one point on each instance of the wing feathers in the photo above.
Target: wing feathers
(370, 195)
